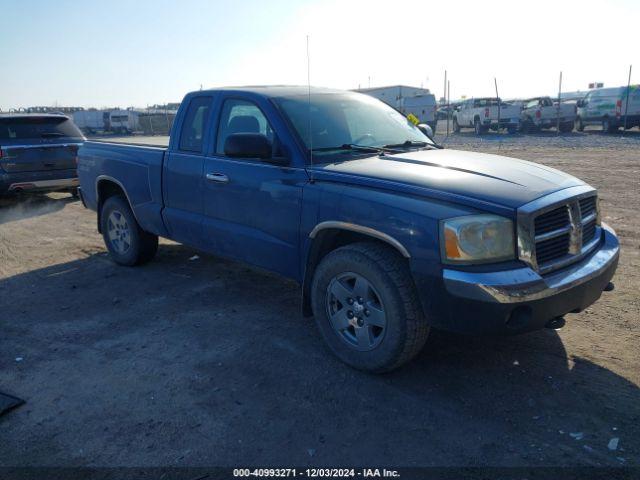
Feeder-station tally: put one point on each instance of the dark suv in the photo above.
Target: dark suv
(38, 153)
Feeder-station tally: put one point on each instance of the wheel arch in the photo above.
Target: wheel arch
(328, 236)
(107, 187)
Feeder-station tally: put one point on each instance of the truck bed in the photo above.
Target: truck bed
(138, 171)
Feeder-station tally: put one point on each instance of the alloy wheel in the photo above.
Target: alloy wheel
(356, 312)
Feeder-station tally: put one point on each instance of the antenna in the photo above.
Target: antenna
(309, 112)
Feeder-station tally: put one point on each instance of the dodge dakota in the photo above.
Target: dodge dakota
(387, 233)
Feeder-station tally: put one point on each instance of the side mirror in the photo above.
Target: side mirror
(580, 103)
(248, 145)
(426, 129)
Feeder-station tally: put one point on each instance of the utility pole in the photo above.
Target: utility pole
(495, 81)
(558, 109)
(444, 93)
(448, 104)
(626, 106)
(444, 97)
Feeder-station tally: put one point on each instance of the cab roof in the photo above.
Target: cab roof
(277, 90)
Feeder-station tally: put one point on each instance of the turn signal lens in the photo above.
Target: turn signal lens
(451, 244)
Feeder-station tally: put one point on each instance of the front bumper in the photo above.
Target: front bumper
(49, 181)
(519, 300)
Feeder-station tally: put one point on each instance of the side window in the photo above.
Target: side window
(195, 124)
(241, 116)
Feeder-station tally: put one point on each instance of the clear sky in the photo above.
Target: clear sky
(140, 52)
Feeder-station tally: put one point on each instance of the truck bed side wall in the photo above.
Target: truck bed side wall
(138, 170)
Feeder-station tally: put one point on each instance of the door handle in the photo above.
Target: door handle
(217, 177)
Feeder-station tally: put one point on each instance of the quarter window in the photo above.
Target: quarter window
(195, 125)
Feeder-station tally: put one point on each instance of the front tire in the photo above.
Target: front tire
(366, 307)
(477, 127)
(127, 243)
(456, 126)
(607, 126)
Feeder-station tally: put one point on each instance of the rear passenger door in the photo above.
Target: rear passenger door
(251, 207)
(182, 174)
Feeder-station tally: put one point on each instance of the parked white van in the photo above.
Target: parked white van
(607, 107)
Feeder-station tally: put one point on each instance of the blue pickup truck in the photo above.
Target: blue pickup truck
(387, 233)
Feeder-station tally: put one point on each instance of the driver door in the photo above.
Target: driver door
(251, 207)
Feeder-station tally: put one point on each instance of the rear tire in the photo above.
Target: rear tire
(378, 330)
(127, 243)
(566, 127)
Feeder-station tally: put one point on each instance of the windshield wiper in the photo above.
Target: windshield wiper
(351, 147)
(52, 134)
(412, 143)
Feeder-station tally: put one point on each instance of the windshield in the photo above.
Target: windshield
(339, 119)
(37, 127)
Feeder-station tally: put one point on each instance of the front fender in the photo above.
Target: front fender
(408, 223)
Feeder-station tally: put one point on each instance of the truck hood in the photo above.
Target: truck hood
(504, 181)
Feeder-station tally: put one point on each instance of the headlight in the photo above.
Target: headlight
(477, 239)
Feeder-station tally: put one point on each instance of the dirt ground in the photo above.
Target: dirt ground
(193, 360)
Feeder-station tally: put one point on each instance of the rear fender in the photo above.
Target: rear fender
(107, 187)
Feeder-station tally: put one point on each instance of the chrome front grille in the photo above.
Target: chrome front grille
(558, 229)
(552, 234)
(553, 220)
(589, 212)
(588, 206)
(549, 250)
